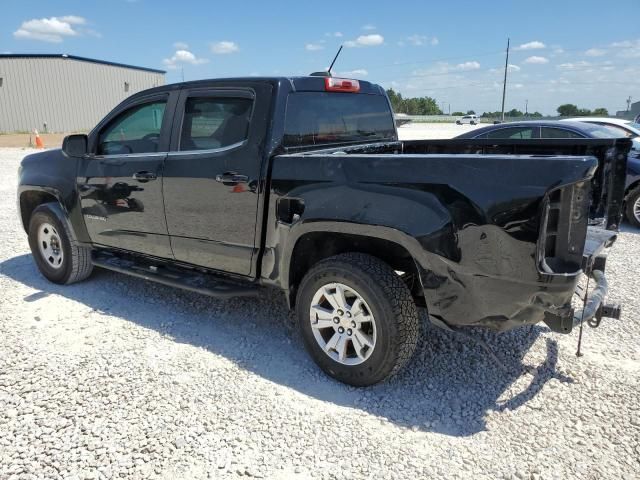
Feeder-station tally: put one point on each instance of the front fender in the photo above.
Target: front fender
(52, 173)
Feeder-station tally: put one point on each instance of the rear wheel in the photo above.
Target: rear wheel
(633, 207)
(357, 318)
(58, 257)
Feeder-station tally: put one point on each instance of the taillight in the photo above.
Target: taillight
(332, 84)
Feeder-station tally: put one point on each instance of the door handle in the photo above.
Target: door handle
(231, 178)
(144, 176)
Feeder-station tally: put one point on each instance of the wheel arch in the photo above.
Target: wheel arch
(632, 186)
(389, 245)
(31, 197)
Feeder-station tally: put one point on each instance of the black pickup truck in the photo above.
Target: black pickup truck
(226, 187)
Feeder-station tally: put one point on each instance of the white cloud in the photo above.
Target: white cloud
(513, 68)
(313, 47)
(182, 57)
(224, 47)
(73, 19)
(358, 72)
(368, 27)
(595, 52)
(417, 40)
(466, 66)
(574, 65)
(180, 46)
(517, 85)
(627, 48)
(333, 34)
(52, 29)
(371, 40)
(535, 60)
(535, 45)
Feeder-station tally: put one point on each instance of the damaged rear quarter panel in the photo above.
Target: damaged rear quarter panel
(471, 224)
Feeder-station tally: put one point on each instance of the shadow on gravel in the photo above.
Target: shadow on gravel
(449, 386)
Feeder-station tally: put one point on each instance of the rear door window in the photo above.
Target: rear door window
(554, 132)
(515, 133)
(210, 123)
(319, 118)
(136, 130)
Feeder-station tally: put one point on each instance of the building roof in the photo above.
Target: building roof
(81, 59)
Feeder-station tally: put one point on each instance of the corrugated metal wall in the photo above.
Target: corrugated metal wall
(69, 95)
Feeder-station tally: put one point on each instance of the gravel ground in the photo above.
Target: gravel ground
(119, 378)
(427, 131)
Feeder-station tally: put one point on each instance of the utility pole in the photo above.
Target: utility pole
(504, 85)
(629, 103)
(182, 68)
(526, 108)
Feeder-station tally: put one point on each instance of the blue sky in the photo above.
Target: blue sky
(578, 51)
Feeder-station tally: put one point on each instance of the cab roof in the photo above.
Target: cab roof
(300, 84)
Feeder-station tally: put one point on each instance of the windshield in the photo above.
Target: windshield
(604, 131)
(634, 125)
(319, 118)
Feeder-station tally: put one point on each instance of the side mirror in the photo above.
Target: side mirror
(75, 145)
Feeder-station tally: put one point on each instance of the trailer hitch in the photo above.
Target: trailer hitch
(594, 309)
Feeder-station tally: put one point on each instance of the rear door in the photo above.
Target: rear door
(120, 181)
(211, 176)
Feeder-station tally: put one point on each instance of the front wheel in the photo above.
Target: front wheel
(58, 257)
(633, 207)
(357, 318)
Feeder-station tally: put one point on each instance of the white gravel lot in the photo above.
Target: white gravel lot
(428, 131)
(119, 378)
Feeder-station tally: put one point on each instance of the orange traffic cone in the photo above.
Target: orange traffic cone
(39, 142)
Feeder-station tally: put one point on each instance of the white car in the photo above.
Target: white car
(472, 119)
(627, 128)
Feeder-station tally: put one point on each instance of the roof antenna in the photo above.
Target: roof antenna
(334, 60)
(328, 72)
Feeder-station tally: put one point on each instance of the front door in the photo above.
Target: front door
(211, 176)
(120, 182)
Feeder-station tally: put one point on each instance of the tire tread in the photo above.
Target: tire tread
(398, 294)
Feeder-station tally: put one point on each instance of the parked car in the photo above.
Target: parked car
(555, 129)
(227, 187)
(625, 128)
(468, 119)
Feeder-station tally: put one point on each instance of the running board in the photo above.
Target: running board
(177, 277)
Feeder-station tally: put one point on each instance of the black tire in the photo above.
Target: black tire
(632, 199)
(76, 263)
(390, 302)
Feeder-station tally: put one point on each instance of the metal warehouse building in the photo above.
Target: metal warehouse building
(64, 93)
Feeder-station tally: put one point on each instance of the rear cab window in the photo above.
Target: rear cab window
(320, 118)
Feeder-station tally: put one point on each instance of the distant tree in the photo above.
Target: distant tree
(457, 114)
(413, 106)
(536, 115)
(600, 112)
(568, 110)
(514, 113)
(471, 112)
